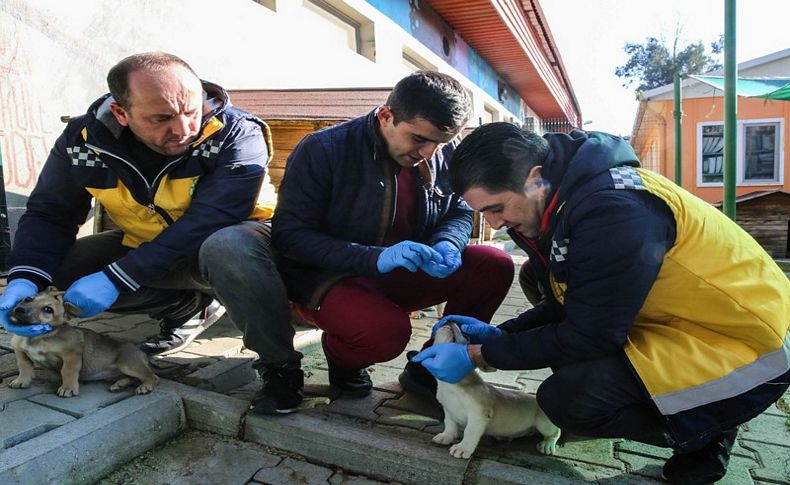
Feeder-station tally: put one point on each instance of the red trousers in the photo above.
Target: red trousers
(366, 320)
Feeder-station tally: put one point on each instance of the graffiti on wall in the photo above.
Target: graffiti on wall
(25, 133)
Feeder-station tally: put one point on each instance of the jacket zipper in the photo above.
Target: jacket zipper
(152, 208)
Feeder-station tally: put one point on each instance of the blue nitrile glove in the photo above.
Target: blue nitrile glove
(447, 362)
(476, 331)
(406, 254)
(450, 260)
(16, 291)
(93, 293)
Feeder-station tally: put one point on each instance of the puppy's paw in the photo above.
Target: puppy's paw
(444, 438)
(68, 391)
(19, 383)
(146, 387)
(460, 451)
(548, 446)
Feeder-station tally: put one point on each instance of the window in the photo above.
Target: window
(759, 158)
(413, 62)
(760, 152)
(347, 27)
(712, 153)
(270, 4)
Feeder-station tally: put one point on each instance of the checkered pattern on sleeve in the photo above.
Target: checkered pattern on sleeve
(626, 178)
(84, 157)
(559, 249)
(208, 149)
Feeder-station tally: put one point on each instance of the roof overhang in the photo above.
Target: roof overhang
(514, 38)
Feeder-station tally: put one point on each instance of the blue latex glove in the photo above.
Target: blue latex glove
(450, 260)
(447, 362)
(405, 254)
(16, 291)
(93, 294)
(476, 331)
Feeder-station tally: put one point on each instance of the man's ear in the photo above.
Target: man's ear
(120, 114)
(536, 185)
(385, 115)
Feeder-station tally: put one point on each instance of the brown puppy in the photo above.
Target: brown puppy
(78, 353)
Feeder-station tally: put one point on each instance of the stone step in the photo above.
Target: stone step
(86, 449)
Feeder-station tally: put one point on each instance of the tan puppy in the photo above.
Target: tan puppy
(480, 408)
(78, 353)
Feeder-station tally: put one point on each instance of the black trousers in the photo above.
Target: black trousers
(601, 398)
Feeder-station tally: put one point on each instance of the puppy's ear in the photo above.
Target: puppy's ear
(71, 309)
(51, 290)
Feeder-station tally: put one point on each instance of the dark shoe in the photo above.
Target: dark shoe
(282, 390)
(416, 378)
(353, 382)
(706, 465)
(172, 340)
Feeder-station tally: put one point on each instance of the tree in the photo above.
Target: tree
(653, 65)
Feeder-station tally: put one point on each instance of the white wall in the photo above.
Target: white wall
(54, 56)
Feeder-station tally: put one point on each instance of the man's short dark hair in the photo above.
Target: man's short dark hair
(118, 77)
(496, 157)
(433, 96)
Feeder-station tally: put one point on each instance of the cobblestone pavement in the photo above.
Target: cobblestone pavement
(194, 429)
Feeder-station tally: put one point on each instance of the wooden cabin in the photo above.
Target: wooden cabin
(765, 215)
(294, 113)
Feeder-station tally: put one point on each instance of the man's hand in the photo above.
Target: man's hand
(93, 293)
(16, 291)
(448, 263)
(406, 254)
(447, 362)
(478, 332)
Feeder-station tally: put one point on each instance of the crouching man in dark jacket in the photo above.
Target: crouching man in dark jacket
(664, 322)
(182, 173)
(370, 230)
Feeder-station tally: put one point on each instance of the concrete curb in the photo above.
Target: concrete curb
(86, 449)
(207, 410)
(386, 453)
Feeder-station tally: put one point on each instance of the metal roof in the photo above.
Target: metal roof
(514, 38)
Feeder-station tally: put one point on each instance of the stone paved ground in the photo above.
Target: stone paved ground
(194, 428)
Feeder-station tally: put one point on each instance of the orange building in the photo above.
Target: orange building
(763, 133)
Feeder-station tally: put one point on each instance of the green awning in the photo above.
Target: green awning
(768, 88)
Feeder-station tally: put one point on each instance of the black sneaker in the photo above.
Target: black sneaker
(282, 389)
(353, 382)
(172, 340)
(416, 378)
(706, 465)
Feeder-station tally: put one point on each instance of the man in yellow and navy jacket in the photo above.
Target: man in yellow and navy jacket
(182, 173)
(664, 322)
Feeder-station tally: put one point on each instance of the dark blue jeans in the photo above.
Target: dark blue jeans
(236, 265)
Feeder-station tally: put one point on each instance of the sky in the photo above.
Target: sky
(591, 34)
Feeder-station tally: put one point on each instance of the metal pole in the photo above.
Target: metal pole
(730, 110)
(678, 113)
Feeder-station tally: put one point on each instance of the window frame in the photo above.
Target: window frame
(740, 160)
